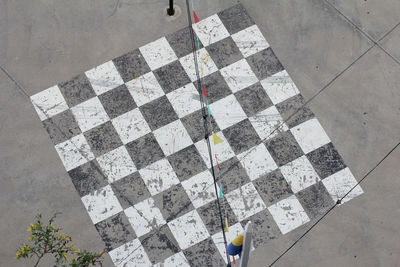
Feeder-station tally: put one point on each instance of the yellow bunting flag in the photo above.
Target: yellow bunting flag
(201, 68)
(226, 225)
(216, 139)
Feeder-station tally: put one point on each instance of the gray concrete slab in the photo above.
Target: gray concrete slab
(360, 112)
(33, 179)
(375, 17)
(46, 42)
(391, 43)
(313, 42)
(362, 232)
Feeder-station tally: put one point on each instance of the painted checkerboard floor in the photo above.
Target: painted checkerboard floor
(129, 132)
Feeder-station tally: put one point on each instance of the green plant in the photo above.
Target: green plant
(48, 239)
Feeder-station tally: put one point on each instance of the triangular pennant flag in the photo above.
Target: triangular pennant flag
(204, 90)
(221, 194)
(196, 19)
(217, 140)
(217, 161)
(201, 69)
(209, 111)
(198, 43)
(226, 225)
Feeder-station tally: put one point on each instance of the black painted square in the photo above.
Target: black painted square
(187, 162)
(88, 178)
(173, 202)
(61, 127)
(293, 111)
(103, 139)
(158, 113)
(131, 65)
(264, 63)
(241, 136)
(216, 87)
(264, 227)
(235, 19)
(172, 76)
(326, 160)
(117, 101)
(253, 99)
(283, 148)
(181, 42)
(209, 214)
(77, 90)
(315, 200)
(130, 190)
(115, 231)
(159, 244)
(224, 52)
(272, 187)
(204, 253)
(145, 151)
(194, 125)
(231, 175)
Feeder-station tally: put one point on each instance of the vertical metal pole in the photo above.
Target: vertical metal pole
(171, 10)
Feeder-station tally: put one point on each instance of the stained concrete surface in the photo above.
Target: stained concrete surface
(45, 42)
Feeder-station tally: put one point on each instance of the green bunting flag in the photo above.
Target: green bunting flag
(208, 108)
(221, 195)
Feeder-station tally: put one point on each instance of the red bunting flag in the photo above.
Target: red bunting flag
(196, 19)
(205, 91)
(216, 161)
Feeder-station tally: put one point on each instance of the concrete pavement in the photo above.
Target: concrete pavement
(322, 44)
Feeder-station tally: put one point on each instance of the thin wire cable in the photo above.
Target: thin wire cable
(206, 131)
(339, 201)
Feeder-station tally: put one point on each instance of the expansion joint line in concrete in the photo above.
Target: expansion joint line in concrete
(338, 202)
(366, 34)
(205, 123)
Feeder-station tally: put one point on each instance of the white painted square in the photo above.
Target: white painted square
(205, 64)
(145, 89)
(210, 30)
(279, 87)
(158, 53)
(74, 152)
(257, 161)
(90, 114)
(339, 183)
(116, 164)
(250, 41)
(265, 122)
(131, 125)
(101, 204)
(176, 260)
(188, 229)
(159, 176)
(310, 135)
(49, 102)
(131, 253)
(200, 188)
(227, 112)
(103, 78)
(299, 174)
(185, 100)
(288, 214)
(222, 150)
(172, 137)
(245, 201)
(239, 75)
(218, 238)
(144, 217)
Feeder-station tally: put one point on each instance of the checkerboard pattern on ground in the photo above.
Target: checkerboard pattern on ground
(130, 134)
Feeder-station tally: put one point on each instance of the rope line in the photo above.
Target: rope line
(205, 121)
